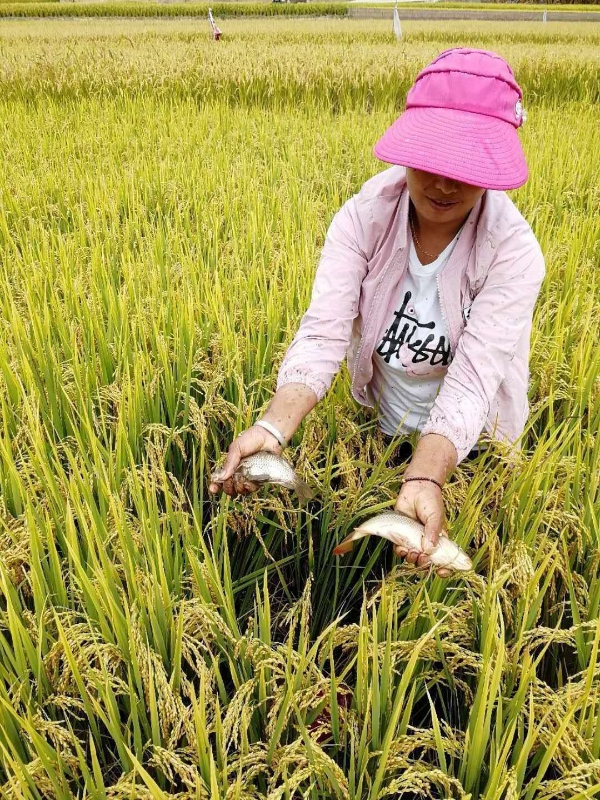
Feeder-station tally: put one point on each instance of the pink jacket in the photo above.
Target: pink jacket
(487, 289)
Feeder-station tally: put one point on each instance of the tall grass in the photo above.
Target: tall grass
(157, 247)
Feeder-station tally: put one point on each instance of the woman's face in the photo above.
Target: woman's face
(438, 199)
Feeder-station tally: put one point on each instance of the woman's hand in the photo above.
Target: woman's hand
(253, 440)
(423, 501)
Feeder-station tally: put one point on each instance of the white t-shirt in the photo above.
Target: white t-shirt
(413, 355)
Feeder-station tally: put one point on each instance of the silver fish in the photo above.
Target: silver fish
(265, 467)
(407, 532)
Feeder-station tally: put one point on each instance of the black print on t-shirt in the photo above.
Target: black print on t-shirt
(412, 334)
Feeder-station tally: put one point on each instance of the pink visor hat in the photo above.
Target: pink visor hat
(461, 122)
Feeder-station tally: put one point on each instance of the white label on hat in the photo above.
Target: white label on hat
(518, 110)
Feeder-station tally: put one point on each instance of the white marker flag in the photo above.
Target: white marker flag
(397, 28)
(216, 32)
(544, 18)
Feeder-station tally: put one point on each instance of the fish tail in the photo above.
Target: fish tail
(343, 547)
(347, 544)
(303, 490)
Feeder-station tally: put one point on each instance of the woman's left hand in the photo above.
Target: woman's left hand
(423, 501)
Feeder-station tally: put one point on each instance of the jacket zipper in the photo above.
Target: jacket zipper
(371, 315)
(443, 312)
(453, 350)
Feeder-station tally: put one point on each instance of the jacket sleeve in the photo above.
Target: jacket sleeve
(501, 312)
(319, 346)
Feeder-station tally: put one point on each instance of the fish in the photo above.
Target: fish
(265, 467)
(407, 532)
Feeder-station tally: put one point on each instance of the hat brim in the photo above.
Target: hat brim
(472, 148)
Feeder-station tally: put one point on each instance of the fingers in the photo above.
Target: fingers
(222, 478)
(433, 527)
(423, 502)
(234, 486)
(248, 442)
(411, 556)
(444, 573)
(421, 560)
(243, 486)
(234, 456)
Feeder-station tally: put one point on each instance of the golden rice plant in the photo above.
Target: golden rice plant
(163, 203)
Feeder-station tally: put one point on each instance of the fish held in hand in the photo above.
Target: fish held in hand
(265, 467)
(408, 533)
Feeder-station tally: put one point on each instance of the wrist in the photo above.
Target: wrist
(434, 457)
(423, 480)
(273, 431)
(286, 423)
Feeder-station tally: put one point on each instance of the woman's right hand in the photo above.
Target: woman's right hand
(253, 440)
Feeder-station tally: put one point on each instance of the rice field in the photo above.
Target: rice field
(163, 202)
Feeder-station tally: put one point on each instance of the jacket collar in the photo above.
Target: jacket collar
(403, 235)
(468, 234)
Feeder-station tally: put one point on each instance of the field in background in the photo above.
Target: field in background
(292, 7)
(163, 203)
(231, 8)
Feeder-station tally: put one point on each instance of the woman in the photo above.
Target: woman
(427, 281)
